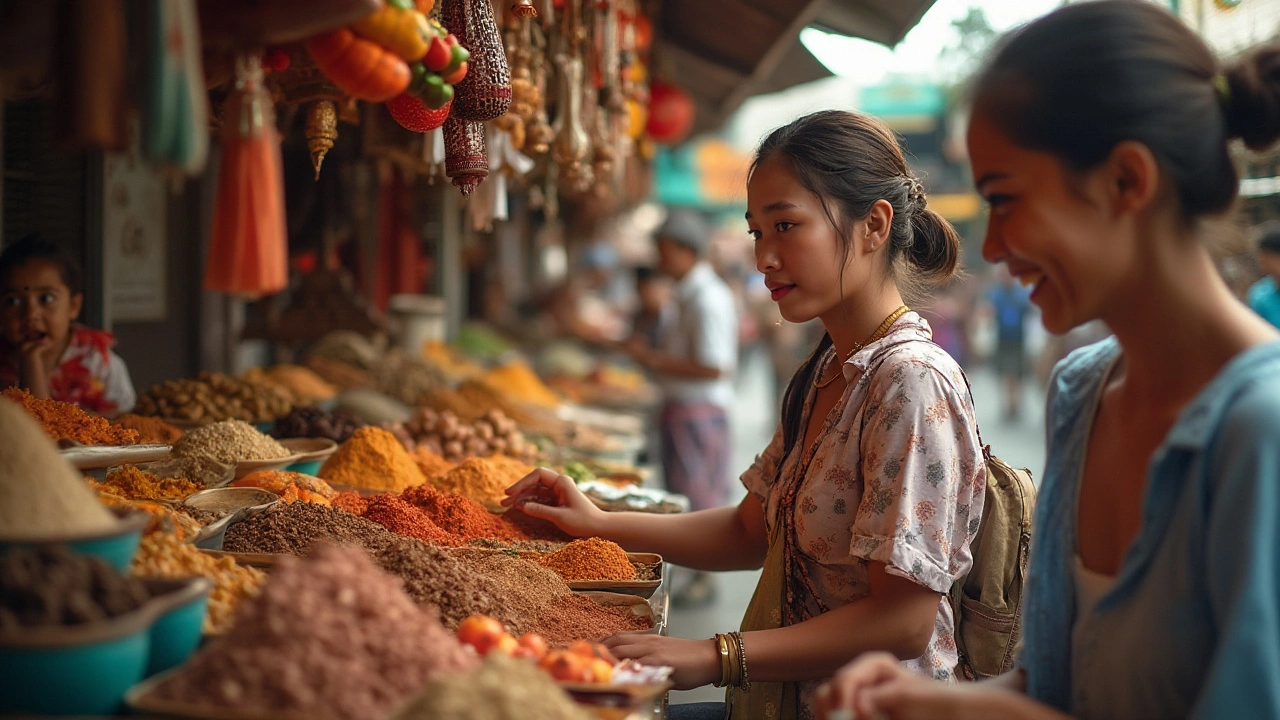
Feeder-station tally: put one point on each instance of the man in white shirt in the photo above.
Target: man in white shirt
(694, 361)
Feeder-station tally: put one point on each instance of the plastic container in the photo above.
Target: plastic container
(87, 669)
(117, 547)
(417, 319)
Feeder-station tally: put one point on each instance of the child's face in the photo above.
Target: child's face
(36, 305)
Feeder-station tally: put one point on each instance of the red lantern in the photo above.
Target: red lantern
(670, 113)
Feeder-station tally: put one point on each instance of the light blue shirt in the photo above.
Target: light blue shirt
(1191, 628)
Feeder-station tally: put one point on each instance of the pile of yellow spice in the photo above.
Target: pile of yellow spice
(373, 459)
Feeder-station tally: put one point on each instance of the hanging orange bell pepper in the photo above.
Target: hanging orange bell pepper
(361, 68)
(399, 28)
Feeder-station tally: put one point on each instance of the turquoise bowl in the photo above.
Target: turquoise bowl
(265, 427)
(177, 631)
(86, 670)
(116, 547)
(307, 467)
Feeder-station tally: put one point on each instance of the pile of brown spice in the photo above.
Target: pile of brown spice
(149, 429)
(292, 529)
(130, 482)
(373, 459)
(523, 584)
(330, 637)
(432, 577)
(590, 559)
(577, 617)
(64, 421)
(484, 480)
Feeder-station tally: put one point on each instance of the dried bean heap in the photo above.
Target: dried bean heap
(49, 585)
(309, 421)
(330, 637)
(229, 441)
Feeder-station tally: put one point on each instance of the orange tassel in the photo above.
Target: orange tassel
(249, 246)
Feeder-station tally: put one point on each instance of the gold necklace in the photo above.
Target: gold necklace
(879, 333)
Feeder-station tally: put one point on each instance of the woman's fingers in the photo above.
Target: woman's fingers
(842, 691)
(539, 481)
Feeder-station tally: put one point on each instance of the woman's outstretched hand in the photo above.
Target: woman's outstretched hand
(550, 496)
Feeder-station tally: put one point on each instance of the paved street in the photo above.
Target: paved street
(1020, 444)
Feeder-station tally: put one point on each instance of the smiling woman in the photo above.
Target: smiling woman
(1100, 138)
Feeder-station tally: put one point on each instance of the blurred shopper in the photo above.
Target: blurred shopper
(694, 361)
(1100, 138)
(862, 507)
(1010, 304)
(653, 292)
(1264, 295)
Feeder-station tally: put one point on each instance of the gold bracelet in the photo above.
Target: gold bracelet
(743, 681)
(736, 653)
(722, 641)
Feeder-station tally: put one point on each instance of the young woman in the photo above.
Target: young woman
(1100, 140)
(862, 507)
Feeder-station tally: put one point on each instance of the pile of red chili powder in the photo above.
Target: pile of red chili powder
(331, 636)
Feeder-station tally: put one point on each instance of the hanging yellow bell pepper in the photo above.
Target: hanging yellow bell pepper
(399, 28)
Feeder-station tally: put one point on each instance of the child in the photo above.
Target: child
(862, 507)
(43, 350)
(1264, 295)
(1101, 139)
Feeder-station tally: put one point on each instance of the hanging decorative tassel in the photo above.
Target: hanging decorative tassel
(466, 158)
(248, 246)
(175, 110)
(485, 92)
(321, 131)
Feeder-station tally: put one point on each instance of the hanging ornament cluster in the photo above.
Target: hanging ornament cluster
(485, 93)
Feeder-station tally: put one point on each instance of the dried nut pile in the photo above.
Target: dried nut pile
(403, 377)
(215, 397)
(229, 441)
(309, 421)
(444, 434)
(338, 374)
(303, 383)
(164, 555)
(49, 585)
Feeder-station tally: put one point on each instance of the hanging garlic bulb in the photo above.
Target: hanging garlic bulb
(572, 145)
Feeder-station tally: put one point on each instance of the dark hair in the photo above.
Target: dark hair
(644, 274)
(1086, 77)
(1268, 234)
(31, 248)
(850, 161)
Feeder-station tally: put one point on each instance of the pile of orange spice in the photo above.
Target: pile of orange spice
(590, 559)
(149, 429)
(131, 482)
(66, 421)
(374, 459)
(484, 480)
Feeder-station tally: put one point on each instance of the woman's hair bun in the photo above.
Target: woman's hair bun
(1252, 101)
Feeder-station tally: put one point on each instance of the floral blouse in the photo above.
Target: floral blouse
(896, 477)
(88, 374)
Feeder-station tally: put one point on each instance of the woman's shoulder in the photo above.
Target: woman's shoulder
(918, 361)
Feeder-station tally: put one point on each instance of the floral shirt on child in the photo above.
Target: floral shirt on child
(88, 375)
(897, 477)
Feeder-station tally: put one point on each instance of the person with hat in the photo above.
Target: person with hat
(694, 360)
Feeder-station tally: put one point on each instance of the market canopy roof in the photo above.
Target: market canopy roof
(724, 51)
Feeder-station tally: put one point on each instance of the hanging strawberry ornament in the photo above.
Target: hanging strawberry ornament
(415, 116)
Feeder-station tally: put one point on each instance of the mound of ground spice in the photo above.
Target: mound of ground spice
(166, 555)
(462, 516)
(373, 459)
(64, 421)
(577, 617)
(430, 463)
(351, 501)
(502, 688)
(484, 480)
(590, 559)
(149, 429)
(293, 528)
(523, 584)
(401, 518)
(431, 576)
(130, 482)
(330, 637)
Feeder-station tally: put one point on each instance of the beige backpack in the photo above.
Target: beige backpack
(987, 602)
